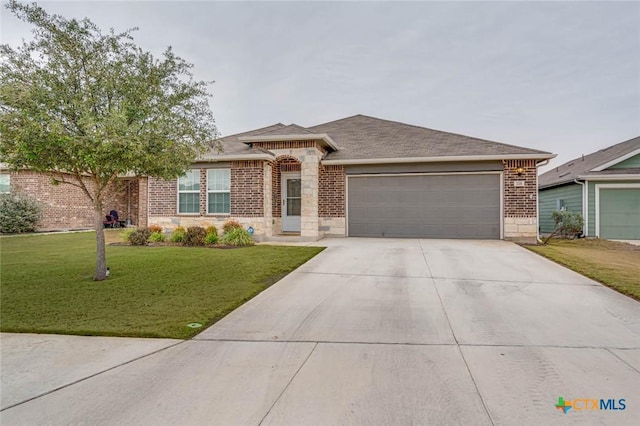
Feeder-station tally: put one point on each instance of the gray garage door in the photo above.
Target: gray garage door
(425, 206)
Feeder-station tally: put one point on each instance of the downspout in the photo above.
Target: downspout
(584, 207)
(540, 164)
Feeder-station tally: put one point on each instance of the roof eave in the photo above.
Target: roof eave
(293, 137)
(610, 177)
(451, 158)
(235, 157)
(616, 160)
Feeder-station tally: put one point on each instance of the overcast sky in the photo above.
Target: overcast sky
(561, 77)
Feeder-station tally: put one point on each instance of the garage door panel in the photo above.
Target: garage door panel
(620, 213)
(427, 206)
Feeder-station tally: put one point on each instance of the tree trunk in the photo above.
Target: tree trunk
(101, 255)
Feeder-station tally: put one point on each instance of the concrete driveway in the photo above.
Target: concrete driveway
(389, 332)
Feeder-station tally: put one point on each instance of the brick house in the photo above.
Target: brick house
(358, 176)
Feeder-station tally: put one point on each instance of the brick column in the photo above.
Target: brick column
(143, 202)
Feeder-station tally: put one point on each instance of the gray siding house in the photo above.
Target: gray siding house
(604, 186)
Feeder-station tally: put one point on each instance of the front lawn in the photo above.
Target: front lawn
(616, 265)
(46, 285)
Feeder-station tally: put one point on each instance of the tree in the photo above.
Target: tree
(87, 107)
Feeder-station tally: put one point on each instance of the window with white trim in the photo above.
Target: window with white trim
(219, 191)
(189, 192)
(5, 183)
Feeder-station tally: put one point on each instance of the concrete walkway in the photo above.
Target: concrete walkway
(388, 332)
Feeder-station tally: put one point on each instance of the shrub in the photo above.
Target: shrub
(211, 239)
(155, 229)
(567, 223)
(195, 236)
(139, 237)
(157, 237)
(230, 225)
(237, 237)
(18, 214)
(126, 233)
(178, 235)
(212, 230)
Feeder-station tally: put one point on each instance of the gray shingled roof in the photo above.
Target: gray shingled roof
(583, 165)
(362, 138)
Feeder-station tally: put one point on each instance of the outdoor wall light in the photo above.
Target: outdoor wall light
(520, 171)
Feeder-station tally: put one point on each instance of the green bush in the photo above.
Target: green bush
(568, 224)
(18, 214)
(195, 236)
(178, 235)
(139, 237)
(126, 233)
(211, 239)
(212, 230)
(230, 225)
(157, 237)
(237, 237)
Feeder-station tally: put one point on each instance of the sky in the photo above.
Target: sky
(562, 77)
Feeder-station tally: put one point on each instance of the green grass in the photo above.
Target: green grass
(614, 264)
(46, 285)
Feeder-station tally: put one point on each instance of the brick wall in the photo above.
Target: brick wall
(283, 164)
(163, 197)
(520, 191)
(286, 144)
(331, 191)
(67, 207)
(247, 188)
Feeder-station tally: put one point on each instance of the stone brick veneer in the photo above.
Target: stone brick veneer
(520, 201)
(67, 207)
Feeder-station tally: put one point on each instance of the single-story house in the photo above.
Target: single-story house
(357, 176)
(604, 186)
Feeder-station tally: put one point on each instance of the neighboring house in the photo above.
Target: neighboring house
(604, 186)
(358, 176)
(66, 207)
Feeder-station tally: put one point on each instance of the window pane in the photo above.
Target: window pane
(293, 207)
(293, 187)
(4, 183)
(189, 203)
(219, 202)
(218, 179)
(190, 181)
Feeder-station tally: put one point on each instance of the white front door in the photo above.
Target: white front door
(291, 202)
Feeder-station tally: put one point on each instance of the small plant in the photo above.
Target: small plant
(124, 235)
(211, 239)
(212, 230)
(140, 237)
(230, 225)
(195, 236)
(18, 214)
(155, 229)
(237, 237)
(178, 235)
(567, 223)
(157, 237)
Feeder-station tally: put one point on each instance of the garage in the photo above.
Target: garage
(454, 205)
(619, 213)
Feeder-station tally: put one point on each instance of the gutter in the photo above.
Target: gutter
(239, 157)
(440, 159)
(584, 207)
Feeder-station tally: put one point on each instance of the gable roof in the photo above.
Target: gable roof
(367, 138)
(587, 164)
(361, 138)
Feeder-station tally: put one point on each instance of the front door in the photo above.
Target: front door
(291, 202)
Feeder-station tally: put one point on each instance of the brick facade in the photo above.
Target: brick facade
(67, 207)
(520, 191)
(163, 197)
(247, 188)
(331, 191)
